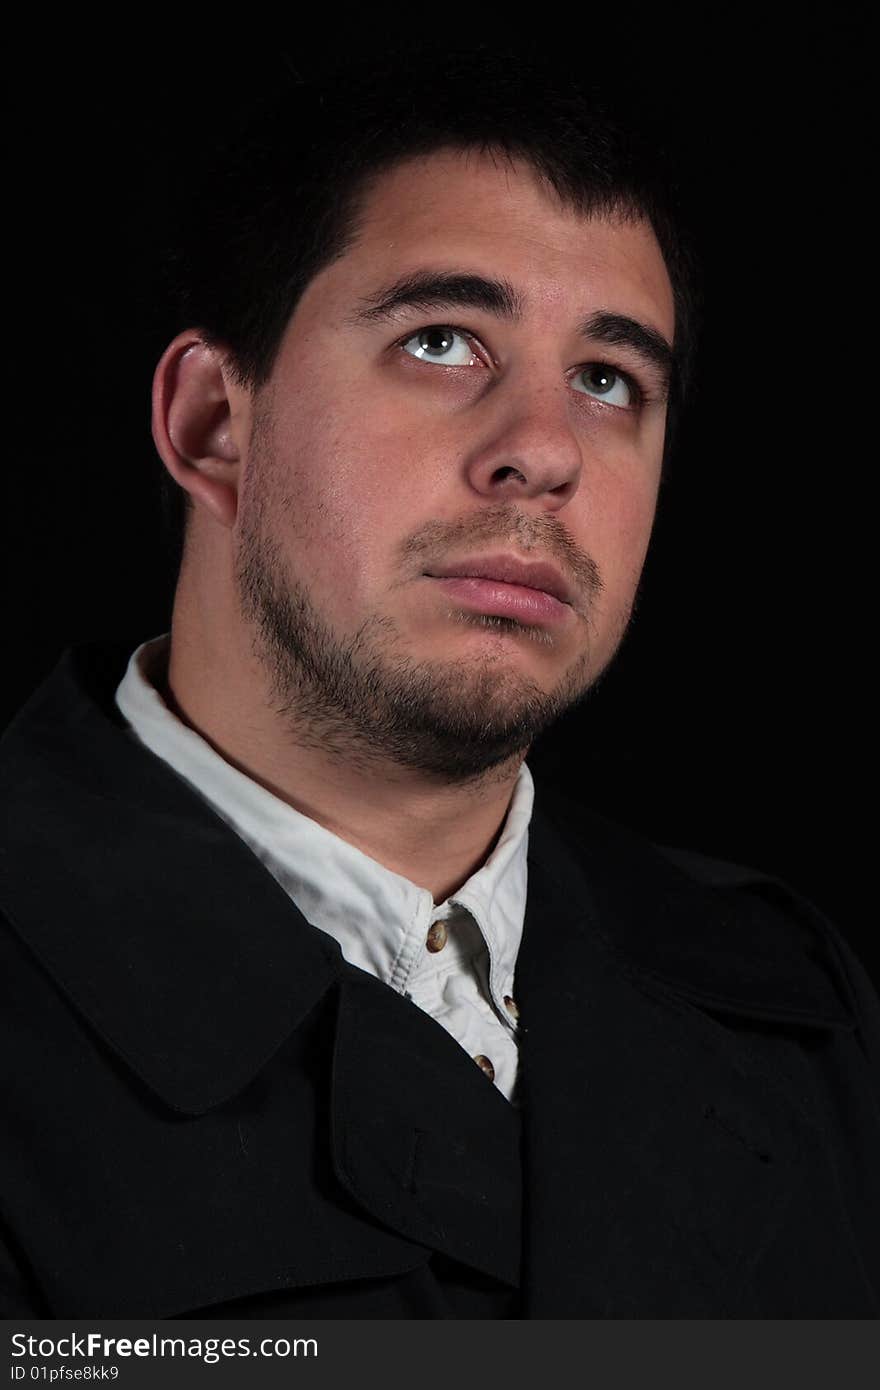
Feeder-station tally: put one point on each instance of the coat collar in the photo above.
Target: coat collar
(729, 939)
(159, 923)
(196, 1005)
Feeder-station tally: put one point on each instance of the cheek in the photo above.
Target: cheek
(361, 459)
(345, 498)
(623, 516)
(622, 520)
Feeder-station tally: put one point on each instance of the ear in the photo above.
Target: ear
(200, 421)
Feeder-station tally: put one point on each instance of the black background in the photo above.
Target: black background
(734, 720)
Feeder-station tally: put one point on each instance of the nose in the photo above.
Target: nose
(528, 446)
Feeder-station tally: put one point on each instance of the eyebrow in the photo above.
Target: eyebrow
(427, 289)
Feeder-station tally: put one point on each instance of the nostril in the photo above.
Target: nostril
(502, 474)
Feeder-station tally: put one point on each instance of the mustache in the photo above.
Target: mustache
(506, 526)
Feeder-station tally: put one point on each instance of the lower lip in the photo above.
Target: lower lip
(505, 600)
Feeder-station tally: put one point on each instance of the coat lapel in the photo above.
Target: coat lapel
(421, 1139)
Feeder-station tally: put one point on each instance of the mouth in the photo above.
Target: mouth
(507, 586)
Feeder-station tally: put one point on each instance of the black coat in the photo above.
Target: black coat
(207, 1111)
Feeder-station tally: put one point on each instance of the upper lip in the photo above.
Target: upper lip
(508, 569)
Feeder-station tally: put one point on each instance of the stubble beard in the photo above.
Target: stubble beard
(363, 700)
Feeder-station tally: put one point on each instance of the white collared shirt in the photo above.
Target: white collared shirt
(455, 960)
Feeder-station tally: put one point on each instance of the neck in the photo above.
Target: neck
(431, 832)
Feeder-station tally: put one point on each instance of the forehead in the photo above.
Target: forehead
(482, 213)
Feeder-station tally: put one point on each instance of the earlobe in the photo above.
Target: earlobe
(196, 424)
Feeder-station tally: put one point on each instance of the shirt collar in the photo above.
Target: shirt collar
(378, 917)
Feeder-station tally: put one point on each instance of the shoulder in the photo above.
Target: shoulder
(777, 903)
(727, 935)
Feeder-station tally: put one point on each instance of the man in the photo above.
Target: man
(315, 1006)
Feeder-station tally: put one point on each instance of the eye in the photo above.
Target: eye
(440, 343)
(605, 384)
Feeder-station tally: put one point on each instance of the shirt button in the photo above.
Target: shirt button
(510, 1006)
(436, 938)
(485, 1065)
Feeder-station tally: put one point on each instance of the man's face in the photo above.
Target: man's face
(457, 430)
